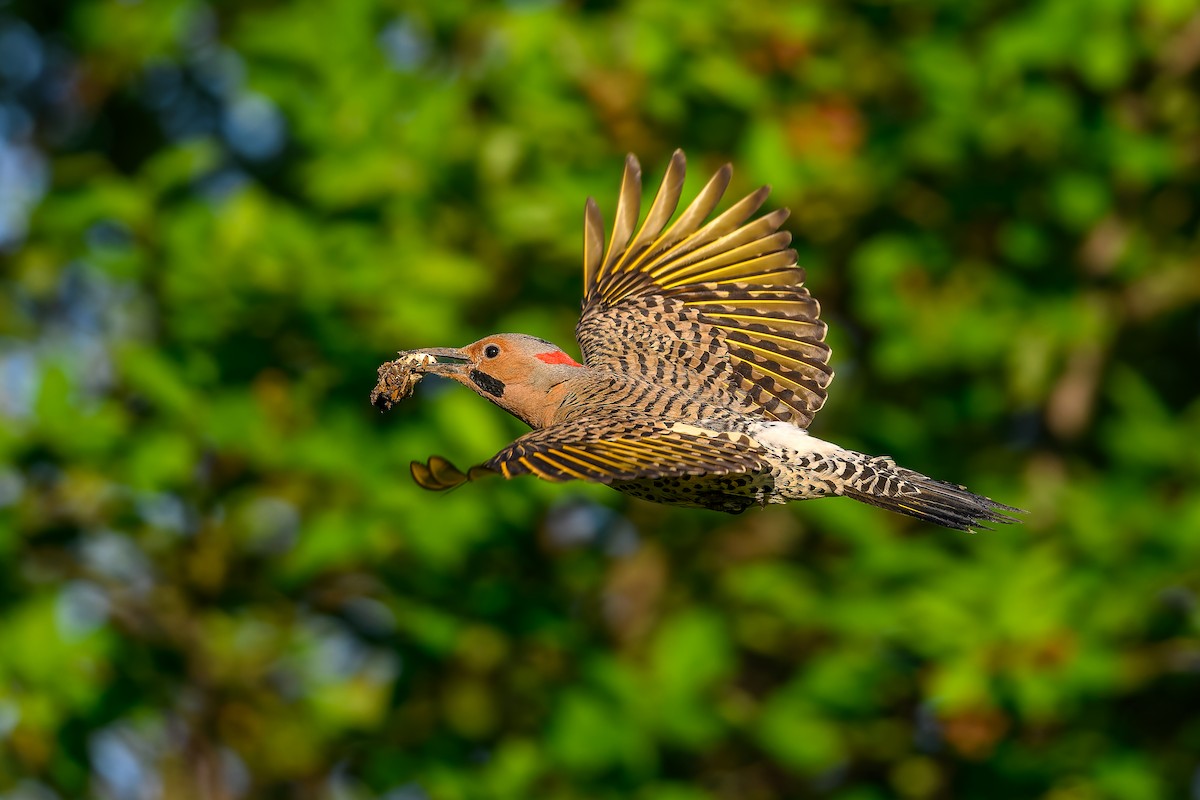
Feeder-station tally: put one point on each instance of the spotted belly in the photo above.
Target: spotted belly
(732, 493)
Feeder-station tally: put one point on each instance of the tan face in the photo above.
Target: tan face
(503, 360)
(497, 364)
(516, 372)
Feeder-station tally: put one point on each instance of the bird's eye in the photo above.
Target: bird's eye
(491, 351)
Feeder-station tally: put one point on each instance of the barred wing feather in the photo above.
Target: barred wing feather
(603, 450)
(718, 308)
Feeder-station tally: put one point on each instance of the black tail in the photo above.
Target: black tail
(881, 483)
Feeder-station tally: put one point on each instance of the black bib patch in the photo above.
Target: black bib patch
(487, 383)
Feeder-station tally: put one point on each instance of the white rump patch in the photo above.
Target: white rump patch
(787, 436)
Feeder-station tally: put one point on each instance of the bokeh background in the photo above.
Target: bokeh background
(217, 579)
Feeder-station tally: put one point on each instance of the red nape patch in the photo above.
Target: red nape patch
(557, 357)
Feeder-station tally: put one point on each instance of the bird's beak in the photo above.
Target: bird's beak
(447, 361)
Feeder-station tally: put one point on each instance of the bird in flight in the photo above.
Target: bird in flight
(703, 363)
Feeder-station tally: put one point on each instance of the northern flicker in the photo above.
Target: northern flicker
(704, 361)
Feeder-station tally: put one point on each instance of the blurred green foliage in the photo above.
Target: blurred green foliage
(217, 579)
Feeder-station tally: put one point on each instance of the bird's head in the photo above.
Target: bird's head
(519, 373)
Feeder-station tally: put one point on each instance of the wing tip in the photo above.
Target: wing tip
(632, 165)
(593, 241)
(758, 197)
(437, 475)
(725, 174)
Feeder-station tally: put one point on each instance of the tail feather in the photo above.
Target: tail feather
(882, 484)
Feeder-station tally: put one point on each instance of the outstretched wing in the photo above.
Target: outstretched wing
(606, 450)
(719, 310)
